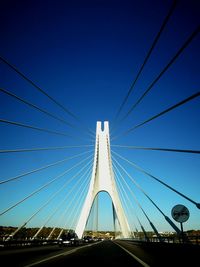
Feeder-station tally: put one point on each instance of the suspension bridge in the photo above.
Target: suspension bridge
(61, 175)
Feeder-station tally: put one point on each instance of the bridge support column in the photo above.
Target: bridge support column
(102, 180)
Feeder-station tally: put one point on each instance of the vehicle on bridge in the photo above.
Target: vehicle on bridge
(88, 239)
(69, 238)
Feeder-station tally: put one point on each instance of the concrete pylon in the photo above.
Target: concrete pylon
(102, 180)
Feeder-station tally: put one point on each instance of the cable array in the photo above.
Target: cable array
(147, 56)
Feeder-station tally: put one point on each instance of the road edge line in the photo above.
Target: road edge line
(132, 255)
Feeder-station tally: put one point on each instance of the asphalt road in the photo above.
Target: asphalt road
(106, 253)
(165, 254)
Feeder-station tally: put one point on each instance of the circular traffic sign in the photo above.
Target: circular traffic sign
(180, 213)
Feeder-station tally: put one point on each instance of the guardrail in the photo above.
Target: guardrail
(168, 239)
(27, 242)
(178, 239)
(42, 242)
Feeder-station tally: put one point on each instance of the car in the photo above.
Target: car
(69, 238)
(87, 239)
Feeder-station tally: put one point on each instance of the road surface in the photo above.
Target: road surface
(106, 253)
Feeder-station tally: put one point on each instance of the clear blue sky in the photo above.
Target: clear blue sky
(86, 54)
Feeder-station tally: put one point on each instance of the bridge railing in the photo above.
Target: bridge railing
(178, 239)
(188, 239)
(27, 242)
(42, 242)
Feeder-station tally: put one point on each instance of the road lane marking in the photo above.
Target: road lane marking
(135, 257)
(59, 255)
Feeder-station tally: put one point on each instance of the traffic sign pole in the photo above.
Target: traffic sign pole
(180, 214)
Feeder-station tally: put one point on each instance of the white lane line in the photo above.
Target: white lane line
(59, 255)
(135, 257)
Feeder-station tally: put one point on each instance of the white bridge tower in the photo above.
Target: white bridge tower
(102, 180)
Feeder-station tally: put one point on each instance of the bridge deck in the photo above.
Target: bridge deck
(118, 252)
